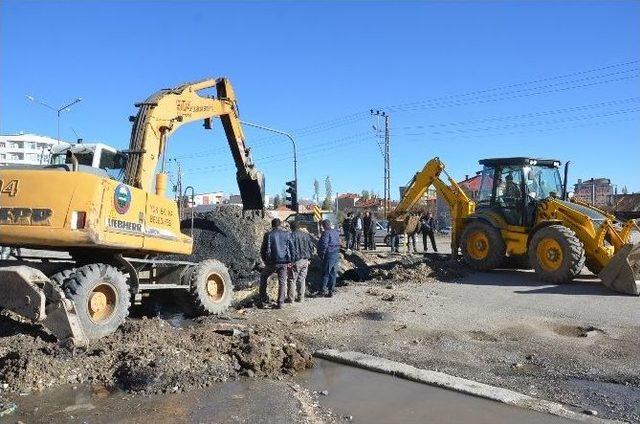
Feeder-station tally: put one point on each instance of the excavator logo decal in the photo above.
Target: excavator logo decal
(122, 199)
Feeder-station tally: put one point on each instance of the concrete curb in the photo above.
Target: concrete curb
(434, 378)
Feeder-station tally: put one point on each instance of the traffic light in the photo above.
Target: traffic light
(292, 195)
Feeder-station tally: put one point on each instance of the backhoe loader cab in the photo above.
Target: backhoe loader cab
(511, 187)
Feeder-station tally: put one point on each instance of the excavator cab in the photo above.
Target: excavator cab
(512, 187)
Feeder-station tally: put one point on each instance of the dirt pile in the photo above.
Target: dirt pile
(232, 237)
(150, 356)
(418, 270)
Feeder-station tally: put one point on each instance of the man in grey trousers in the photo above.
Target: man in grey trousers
(302, 248)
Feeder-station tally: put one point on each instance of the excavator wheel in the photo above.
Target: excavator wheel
(556, 253)
(101, 298)
(482, 246)
(211, 287)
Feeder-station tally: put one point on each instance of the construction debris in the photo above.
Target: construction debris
(231, 236)
(149, 356)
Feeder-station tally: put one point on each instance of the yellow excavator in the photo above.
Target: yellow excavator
(115, 229)
(522, 211)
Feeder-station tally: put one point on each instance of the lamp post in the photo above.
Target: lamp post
(293, 142)
(58, 111)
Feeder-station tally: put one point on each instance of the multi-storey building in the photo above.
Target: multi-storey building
(595, 191)
(26, 149)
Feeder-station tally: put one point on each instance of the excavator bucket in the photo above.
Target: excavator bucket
(622, 274)
(251, 190)
(29, 293)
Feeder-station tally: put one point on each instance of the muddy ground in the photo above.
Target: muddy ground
(576, 344)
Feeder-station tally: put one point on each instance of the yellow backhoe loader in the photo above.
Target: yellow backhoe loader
(114, 229)
(522, 211)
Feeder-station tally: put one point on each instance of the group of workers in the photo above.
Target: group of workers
(288, 254)
(354, 227)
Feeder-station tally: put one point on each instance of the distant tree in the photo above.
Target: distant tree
(625, 190)
(327, 204)
(276, 201)
(316, 191)
(366, 195)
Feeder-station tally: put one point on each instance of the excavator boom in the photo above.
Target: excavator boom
(160, 115)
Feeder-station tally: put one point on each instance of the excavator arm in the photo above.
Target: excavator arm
(163, 113)
(459, 203)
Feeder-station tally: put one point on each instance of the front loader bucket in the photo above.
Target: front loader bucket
(622, 274)
(29, 293)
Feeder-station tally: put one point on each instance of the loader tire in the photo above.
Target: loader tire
(556, 253)
(61, 276)
(211, 287)
(482, 246)
(101, 297)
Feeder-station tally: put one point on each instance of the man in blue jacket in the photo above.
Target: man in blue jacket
(276, 254)
(329, 251)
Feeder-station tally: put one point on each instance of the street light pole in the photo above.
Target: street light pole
(293, 142)
(58, 111)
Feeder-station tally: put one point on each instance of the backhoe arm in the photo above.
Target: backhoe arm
(164, 112)
(459, 203)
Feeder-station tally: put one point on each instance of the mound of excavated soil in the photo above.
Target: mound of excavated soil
(413, 269)
(149, 356)
(232, 237)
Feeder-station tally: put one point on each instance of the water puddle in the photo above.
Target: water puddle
(363, 396)
(370, 397)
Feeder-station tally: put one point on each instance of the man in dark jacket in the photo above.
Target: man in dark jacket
(366, 229)
(427, 225)
(347, 230)
(301, 251)
(276, 254)
(329, 252)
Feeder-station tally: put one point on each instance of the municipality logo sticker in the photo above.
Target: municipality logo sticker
(122, 198)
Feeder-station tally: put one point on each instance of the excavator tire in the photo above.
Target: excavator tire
(101, 297)
(211, 287)
(482, 246)
(556, 253)
(60, 277)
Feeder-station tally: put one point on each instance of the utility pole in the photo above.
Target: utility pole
(178, 185)
(386, 154)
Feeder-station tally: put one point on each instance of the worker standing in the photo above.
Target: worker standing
(276, 254)
(301, 251)
(366, 225)
(372, 231)
(427, 226)
(329, 251)
(347, 225)
(357, 230)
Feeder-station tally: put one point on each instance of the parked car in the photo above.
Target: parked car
(445, 231)
(380, 236)
(305, 220)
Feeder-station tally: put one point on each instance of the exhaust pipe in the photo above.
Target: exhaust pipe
(566, 181)
(73, 159)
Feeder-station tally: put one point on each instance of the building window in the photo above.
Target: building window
(2, 144)
(3, 156)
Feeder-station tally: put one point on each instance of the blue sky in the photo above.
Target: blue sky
(460, 80)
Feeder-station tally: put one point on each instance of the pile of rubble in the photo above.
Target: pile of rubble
(231, 236)
(148, 356)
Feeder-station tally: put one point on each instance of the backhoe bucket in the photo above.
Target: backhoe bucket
(251, 190)
(29, 293)
(622, 274)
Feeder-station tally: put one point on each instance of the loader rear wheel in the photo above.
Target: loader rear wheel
(482, 246)
(556, 253)
(101, 298)
(211, 287)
